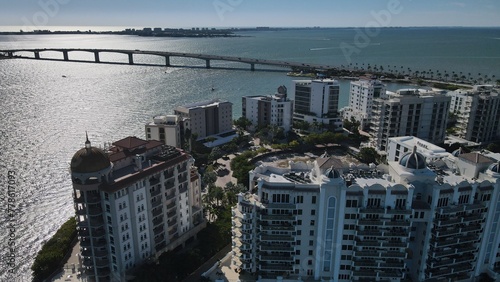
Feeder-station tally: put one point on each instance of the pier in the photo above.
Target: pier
(129, 59)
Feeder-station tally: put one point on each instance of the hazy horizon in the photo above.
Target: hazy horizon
(244, 13)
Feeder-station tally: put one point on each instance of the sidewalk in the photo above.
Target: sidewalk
(70, 270)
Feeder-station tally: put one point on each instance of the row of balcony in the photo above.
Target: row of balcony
(449, 271)
(450, 261)
(383, 233)
(379, 254)
(458, 220)
(446, 252)
(453, 230)
(384, 244)
(378, 264)
(448, 241)
(384, 222)
(377, 274)
(460, 208)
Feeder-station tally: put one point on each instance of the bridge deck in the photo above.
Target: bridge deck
(205, 57)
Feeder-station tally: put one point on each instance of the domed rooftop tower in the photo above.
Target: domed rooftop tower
(90, 167)
(413, 160)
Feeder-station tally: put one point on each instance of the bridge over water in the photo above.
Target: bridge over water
(65, 56)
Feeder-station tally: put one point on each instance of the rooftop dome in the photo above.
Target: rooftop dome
(89, 159)
(413, 160)
(495, 167)
(457, 152)
(332, 173)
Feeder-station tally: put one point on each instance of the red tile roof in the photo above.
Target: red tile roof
(130, 142)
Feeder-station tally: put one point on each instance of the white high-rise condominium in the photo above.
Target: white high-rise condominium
(361, 95)
(317, 101)
(133, 201)
(408, 221)
(478, 113)
(409, 112)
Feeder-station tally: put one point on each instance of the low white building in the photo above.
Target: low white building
(399, 146)
(166, 129)
(274, 109)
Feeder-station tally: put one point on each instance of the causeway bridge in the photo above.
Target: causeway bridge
(38, 54)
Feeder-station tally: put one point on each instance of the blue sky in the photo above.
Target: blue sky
(241, 13)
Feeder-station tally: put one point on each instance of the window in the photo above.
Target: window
(311, 233)
(313, 212)
(310, 252)
(314, 199)
(311, 242)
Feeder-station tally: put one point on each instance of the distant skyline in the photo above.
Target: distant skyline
(248, 13)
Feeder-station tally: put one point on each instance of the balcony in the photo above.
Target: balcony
(368, 243)
(271, 227)
(169, 185)
(277, 217)
(96, 221)
(157, 230)
(394, 255)
(447, 222)
(372, 233)
(370, 222)
(283, 248)
(159, 239)
(379, 210)
(365, 263)
(157, 212)
(156, 192)
(364, 273)
(395, 245)
(171, 205)
(402, 223)
(158, 220)
(275, 238)
(276, 267)
(288, 258)
(399, 211)
(371, 254)
(390, 274)
(171, 213)
(170, 196)
(156, 203)
(400, 265)
(473, 217)
(183, 188)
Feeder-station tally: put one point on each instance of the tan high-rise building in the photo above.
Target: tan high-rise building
(207, 118)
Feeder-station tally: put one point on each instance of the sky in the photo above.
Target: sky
(249, 13)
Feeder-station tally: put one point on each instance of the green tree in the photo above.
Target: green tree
(242, 123)
(215, 154)
(209, 178)
(368, 155)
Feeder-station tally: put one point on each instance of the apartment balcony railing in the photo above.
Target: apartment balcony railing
(276, 267)
(156, 192)
(277, 217)
(288, 258)
(157, 212)
(283, 248)
(276, 238)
